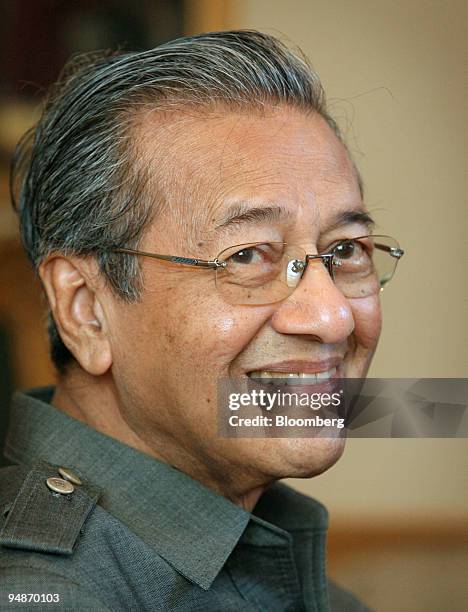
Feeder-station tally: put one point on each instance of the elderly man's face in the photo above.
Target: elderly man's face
(170, 349)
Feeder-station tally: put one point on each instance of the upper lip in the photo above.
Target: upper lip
(299, 365)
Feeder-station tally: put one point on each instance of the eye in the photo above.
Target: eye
(257, 254)
(347, 249)
(245, 256)
(353, 257)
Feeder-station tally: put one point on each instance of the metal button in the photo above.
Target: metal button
(69, 475)
(59, 485)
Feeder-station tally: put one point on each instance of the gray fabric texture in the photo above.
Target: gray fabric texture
(140, 535)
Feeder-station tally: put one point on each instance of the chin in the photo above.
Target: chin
(305, 457)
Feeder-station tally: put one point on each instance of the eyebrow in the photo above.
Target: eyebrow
(348, 217)
(242, 213)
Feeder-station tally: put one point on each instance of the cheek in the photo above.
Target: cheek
(367, 315)
(220, 338)
(201, 330)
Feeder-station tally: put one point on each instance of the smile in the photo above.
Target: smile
(294, 378)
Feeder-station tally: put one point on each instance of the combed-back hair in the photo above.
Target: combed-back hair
(75, 182)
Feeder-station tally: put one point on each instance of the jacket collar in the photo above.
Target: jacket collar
(190, 526)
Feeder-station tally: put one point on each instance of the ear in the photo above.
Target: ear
(71, 287)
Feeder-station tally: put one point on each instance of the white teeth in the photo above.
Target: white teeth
(297, 378)
(326, 375)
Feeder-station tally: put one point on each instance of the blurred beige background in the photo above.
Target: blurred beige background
(393, 72)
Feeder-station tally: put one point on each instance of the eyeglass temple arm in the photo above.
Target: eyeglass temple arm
(188, 261)
(393, 251)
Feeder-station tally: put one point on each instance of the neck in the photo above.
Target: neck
(95, 402)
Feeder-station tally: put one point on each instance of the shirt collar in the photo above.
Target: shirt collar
(190, 526)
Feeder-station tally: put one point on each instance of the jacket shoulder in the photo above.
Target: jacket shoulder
(43, 507)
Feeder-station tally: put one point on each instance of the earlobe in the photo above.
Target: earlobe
(77, 311)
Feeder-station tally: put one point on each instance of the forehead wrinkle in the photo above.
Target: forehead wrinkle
(257, 181)
(243, 212)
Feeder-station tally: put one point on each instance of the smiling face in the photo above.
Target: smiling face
(170, 349)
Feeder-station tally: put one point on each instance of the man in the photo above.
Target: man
(143, 174)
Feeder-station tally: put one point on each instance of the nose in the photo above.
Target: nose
(316, 307)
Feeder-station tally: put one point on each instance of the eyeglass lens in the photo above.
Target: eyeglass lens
(263, 273)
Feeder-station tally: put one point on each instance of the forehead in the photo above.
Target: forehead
(281, 157)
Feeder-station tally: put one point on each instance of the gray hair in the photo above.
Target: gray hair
(75, 181)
